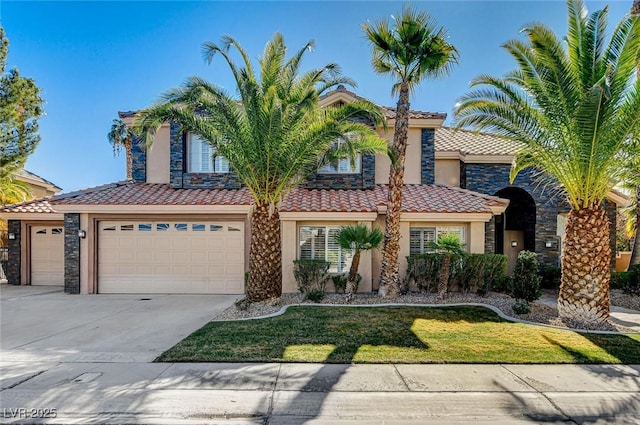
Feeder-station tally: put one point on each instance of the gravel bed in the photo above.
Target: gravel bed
(620, 299)
(540, 313)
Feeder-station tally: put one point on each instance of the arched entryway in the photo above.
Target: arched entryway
(516, 228)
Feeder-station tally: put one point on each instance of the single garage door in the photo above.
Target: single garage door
(176, 257)
(47, 255)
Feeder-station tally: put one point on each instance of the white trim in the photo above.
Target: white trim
(328, 216)
(155, 209)
(32, 216)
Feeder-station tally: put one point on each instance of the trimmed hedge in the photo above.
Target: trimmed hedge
(468, 272)
(312, 277)
(628, 282)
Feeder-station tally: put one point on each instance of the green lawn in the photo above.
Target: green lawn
(397, 335)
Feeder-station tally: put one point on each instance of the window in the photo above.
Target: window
(56, 231)
(419, 237)
(198, 227)
(202, 157)
(318, 242)
(144, 227)
(344, 165)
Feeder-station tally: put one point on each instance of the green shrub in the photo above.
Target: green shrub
(550, 277)
(504, 285)
(467, 272)
(526, 281)
(521, 307)
(340, 282)
(628, 282)
(312, 277)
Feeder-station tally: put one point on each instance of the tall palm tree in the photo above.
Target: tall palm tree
(357, 238)
(635, 253)
(120, 136)
(574, 103)
(411, 50)
(274, 137)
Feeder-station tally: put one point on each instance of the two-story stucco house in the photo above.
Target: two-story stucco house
(181, 224)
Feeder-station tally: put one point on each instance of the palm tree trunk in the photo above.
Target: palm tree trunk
(390, 274)
(443, 281)
(635, 253)
(265, 255)
(128, 145)
(353, 274)
(586, 267)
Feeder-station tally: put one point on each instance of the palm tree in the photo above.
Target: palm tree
(13, 191)
(574, 103)
(120, 136)
(412, 50)
(274, 138)
(448, 244)
(635, 253)
(357, 238)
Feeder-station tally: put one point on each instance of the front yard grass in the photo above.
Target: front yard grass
(397, 335)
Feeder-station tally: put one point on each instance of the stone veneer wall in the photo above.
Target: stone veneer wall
(611, 209)
(139, 165)
(179, 178)
(71, 253)
(428, 158)
(490, 235)
(363, 180)
(490, 178)
(13, 271)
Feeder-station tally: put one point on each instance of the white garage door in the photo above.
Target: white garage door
(171, 257)
(47, 255)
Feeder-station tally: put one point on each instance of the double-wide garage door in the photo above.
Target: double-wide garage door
(171, 257)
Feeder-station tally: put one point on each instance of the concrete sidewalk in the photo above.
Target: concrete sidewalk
(325, 394)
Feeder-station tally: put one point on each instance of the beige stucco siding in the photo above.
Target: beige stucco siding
(158, 157)
(448, 172)
(412, 173)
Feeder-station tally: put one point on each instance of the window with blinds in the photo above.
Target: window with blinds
(419, 237)
(318, 242)
(203, 159)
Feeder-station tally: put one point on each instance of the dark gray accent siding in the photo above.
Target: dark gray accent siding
(71, 253)
(490, 178)
(139, 165)
(428, 158)
(13, 271)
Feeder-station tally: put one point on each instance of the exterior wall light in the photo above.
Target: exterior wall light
(12, 236)
(82, 234)
(548, 244)
(514, 243)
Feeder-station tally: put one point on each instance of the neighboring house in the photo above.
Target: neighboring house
(182, 224)
(39, 188)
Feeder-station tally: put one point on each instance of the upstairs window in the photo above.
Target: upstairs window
(419, 237)
(344, 165)
(202, 157)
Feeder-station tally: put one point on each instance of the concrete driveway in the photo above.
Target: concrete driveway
(44, 324)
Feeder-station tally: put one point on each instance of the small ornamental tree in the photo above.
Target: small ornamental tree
(358, 238)
(448, 244)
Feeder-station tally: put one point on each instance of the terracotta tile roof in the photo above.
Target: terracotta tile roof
(390, 113)
(473, 143)
(130, 193)
(416, 198)
(28, 174)
(41, 205)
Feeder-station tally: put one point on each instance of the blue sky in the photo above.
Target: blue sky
(93, 59)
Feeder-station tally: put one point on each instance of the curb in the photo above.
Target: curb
(496, 310)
